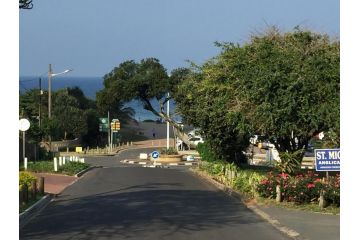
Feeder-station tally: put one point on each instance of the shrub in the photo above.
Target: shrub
(244, 180)
(206, 152)
(169, 151)
(25, 178)
(72, 168)
(302, 188)
(41, 166)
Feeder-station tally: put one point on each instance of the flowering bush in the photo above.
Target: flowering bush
(302, 188)
(25, 178)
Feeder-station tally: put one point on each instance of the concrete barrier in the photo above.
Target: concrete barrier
(143, 156)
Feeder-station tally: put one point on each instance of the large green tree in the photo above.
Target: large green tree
(285, 86)
(143, 81)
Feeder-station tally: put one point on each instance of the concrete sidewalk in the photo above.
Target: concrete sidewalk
(55, 183)
(309, 225)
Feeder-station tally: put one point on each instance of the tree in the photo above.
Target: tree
(70, 118)
(202, 100)
(285, 86)
(25, 4)
(142, 81)
(29, 108)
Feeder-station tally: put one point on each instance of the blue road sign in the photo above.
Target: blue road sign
(155, 154)
(327, 159)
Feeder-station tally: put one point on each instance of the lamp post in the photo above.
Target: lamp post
(168, 123)
(50, 75)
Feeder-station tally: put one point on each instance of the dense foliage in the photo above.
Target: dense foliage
(143, 81)
(26, 178)
(73, 115)
(284, 86)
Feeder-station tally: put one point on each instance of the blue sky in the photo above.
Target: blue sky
(93, 37)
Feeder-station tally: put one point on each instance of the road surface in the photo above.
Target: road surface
(117, 202)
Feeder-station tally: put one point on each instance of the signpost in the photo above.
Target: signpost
(327, 159)
(24, 125)
(115, 127)
(155, 155)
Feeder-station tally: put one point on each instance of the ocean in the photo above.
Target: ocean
(89, 86)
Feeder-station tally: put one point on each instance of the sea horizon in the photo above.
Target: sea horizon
(89, 86)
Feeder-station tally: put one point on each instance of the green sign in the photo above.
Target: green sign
(103, 126)
(103, 120)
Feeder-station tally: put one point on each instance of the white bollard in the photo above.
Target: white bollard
(25, 163)
(77, 159)
(63, 160)
(60, 161)
(55, 164)
(82, 160)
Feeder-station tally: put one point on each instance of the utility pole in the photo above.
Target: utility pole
(109, 129)
(168, 123)
(49, 77)
(40, 93)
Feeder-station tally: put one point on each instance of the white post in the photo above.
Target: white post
(55, 164)
(25, 163)
(109, 128)
(168, 123)
(60, 161)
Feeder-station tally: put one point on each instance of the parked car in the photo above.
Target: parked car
(194, 133)
(255, 139)
(195, 140)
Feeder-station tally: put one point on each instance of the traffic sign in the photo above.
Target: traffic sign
(103, 126)
(327, 159)
(115, 125)
(24, 124)
(155, 155)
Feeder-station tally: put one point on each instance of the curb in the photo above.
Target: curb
(274, 222)
(79, 174)
(144, 163)
(25, 216)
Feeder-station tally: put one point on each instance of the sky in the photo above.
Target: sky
(92, 37)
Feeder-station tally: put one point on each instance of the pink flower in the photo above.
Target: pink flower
(265, 181)
(283, 175)
(317, 180)
(310, 185)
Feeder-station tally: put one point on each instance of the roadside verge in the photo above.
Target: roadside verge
(231, 192)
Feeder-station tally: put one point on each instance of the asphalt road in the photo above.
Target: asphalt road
(145, 203)
(115, 161)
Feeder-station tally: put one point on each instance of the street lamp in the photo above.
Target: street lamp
(168, 123)
(50, 75)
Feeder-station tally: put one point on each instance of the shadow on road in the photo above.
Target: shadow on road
(141, 211)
